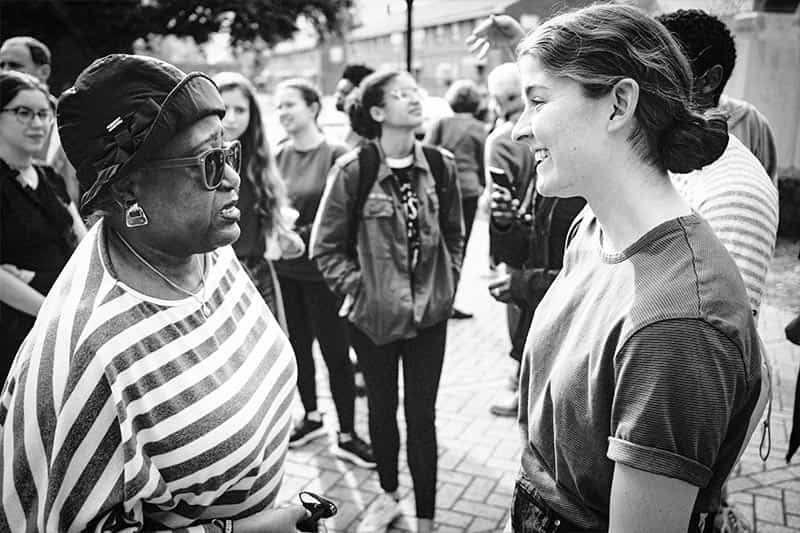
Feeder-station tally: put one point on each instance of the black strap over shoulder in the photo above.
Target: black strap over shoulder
(369, 161)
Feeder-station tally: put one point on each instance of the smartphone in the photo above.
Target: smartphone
(500, 177)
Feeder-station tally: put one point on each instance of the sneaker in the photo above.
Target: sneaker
(506, 407)
(306, 431)
(379, 515)
(730, 520)
(356, 451)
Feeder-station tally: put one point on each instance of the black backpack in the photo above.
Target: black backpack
(368, 164)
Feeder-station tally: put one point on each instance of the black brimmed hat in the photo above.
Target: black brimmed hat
(122, 110)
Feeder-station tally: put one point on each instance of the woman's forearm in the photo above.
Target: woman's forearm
(17, 294)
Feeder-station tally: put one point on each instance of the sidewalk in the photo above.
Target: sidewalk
(479, 453)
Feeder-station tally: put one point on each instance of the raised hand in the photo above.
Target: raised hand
(498, 31)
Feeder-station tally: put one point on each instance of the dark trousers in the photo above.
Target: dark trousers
(469, 206)
(422, 358)
(312, 312)
(530, 513)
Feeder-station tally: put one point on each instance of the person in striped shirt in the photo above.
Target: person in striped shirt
(736, 194)
(738, 200)
(154, 390)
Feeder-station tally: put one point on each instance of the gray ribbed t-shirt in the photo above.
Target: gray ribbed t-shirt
(648, 357)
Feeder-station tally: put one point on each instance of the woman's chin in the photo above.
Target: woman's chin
(226, 235)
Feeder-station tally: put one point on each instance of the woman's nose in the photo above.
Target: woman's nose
(231, 178)
(521, 130)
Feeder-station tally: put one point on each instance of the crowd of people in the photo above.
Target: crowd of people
(151, 361)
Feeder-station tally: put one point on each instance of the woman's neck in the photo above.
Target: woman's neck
(185, 270)
(16, 159)
(633, 204)
(397, 143)
(308, 138)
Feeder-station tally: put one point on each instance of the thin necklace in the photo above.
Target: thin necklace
(204, 309)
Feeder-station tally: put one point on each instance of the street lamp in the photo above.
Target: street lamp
(409, 35)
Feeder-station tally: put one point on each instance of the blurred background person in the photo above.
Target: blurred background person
(734, 194)
(711, 50)
(464, 136)
(31, 56)
(39, 224)
(389, 238)
(347, 87)
(527, 231)
(312, 310)
(263, 202)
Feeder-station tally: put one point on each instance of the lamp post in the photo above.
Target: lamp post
(409, 36)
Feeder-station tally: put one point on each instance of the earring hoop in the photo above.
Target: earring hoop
(135, 216)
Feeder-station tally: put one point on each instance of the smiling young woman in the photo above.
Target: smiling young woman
(646, 365)
(304, 160)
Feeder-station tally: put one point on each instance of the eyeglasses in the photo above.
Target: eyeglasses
(25, 114)
(212, 162)
(405, 93)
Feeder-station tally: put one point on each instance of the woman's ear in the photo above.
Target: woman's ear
(624, 97)
(710, 81)
(124, 191)
(377, 113)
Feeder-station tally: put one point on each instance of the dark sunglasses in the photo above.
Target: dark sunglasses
(212, 162)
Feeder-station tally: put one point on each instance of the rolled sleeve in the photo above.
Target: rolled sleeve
(676, 387)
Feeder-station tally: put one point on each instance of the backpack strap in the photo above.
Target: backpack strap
(368, 164)
(435, 159)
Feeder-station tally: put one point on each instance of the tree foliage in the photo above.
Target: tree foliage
(79, 31)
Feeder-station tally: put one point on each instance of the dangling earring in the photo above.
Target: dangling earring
(135, 216)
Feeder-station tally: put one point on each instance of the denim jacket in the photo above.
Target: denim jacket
(390, 302)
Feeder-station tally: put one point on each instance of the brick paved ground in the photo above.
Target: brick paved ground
(479, 453)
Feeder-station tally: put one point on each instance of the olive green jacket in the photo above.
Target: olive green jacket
(389, 301)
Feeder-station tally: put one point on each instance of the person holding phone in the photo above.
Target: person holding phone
(529, 235)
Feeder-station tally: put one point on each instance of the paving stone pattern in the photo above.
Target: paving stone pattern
(479, 454)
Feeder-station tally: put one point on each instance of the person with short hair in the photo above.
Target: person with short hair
(643, 365)
(347, 92)
(31, 56)
(388, 238)
(350, 80)
(464, 136)
(154, 390)
(711, 50)
(527, 231)
(26, 54)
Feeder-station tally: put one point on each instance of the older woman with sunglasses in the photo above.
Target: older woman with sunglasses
(39, 226)
(153, 392)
